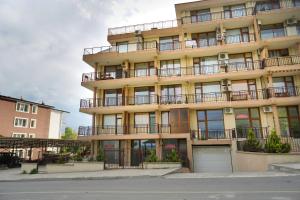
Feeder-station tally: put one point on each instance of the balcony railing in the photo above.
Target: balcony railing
(207, 97)
(173, 99)
(248, 95)
(211, 16)
(201, 43)
(124, 48)
(99, 102)
(244, 38)
(281, 61)
(211, 134)
(142, 99)
(242, 132)
(124, 129)
(143, 27)
(288, 91)
(272, 33)
(169, 46)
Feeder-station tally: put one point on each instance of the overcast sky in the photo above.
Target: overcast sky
(42, 42)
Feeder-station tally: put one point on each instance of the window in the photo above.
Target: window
(272, 31)
(122, 47)
(211, 124)
(278, 53)
(283, 86)
(244, 90)
(200, 15)
(113, 97)
(207, 92)
(246, 118)
(170, 68)
(205, 39)
(169, 43)
(112, 124)
(165, 118)
(22, 107)
(289, 121)
(237, 35)
(144, 95)
(239, 62)
(144, 69)
(33, 123)
(31, 135)
(34, 109)
(234, 11)
(21, 122)
(112, 72)
(267, 5)
(145, 123)
(206, 65)
(171, 94)
(19, 135)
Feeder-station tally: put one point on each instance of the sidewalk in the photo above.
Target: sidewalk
(15, 174)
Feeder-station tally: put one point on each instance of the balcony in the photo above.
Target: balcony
(124, 48)
(235, 39)
(288, 91)
(170, 46)
(124, 130)
(282, 61)
(275, 5)
(272, 33)
(142, 99)
(216, 134)
(242, 132)
(212, 16)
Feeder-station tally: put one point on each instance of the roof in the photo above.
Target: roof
(13, 99)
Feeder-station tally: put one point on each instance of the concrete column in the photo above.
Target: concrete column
(126, 67)
(189, 152)
(222, 30)
(126, 93)
(276, 119)
(96, 148)
(264, 53)
(156, 64)
(158, 149)
(157, 91)
(256, 30)
(270, 80)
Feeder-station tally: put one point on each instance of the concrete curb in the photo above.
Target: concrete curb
(285, 168)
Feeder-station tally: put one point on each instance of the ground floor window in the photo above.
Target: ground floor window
(289, 121)
(246, 118)
(140, 150)
(210, 124)
(179, 145)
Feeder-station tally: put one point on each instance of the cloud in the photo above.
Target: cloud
(42, 44)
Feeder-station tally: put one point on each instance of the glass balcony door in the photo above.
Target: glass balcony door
(200, 15)
(113, 97)
(122, 47)
(112, 124)
(208, 92)
(245, 119)
(272, 31)
(206, 65)
(239, 62)
(267, 5)
(170, 68)
(210, 124)
(205, 39)
(243, 90)
(171, 94)
(234, 11)
(144, 69)
(145, 123)
(289, 121)
(237, 35)
(144, 95)
(169, 43)
(113, 72)
(283, 86)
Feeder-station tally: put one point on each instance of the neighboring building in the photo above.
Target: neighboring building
(194, 83)
(22, 118)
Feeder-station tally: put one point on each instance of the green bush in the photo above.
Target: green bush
(100, 156)
(24, 172)
(274, 145)
(33, 171)
(252, 144)
(152, 157)
(172, 157)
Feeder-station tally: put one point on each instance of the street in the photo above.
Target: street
(275, 188)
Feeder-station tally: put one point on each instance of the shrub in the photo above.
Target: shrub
(100, 156)
(152, 157)
(24, 172)
(252, 144)
(172, 157)
(33, 171)
(274, 145)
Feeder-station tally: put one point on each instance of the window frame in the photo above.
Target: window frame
(22, 118)
(24, 104)
(35, 123)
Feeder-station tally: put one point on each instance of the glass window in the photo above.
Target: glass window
(33, 123)
(113, 97)
(267, 5)
(122, 47)
(246, 118)
(234, 11)
(165, 118)
(22, 107)
(206, 65)
(200, 15)
(21, 122)
(272, 31)
(169, 43)
(34, 109)
(289, 121)
(144, 69)
(170, 68)
(278, 53)
(211, 124)
(144, 95)
(171, 94)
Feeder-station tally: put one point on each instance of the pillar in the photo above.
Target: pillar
(276, 119)
(189, 152)
(158, 144)
(256, 30)
(156, 64)
(126, 68)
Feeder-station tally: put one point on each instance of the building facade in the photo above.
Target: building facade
(27, 119)
(195, 83)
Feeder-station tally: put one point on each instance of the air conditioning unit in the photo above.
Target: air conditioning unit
(220, 36)
(228, 110)
(226, 88)
(267, 109)
(223, 56)
(291, 21)
(226, 82)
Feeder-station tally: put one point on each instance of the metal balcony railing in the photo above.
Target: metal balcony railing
(242, 132)
(248, 95)
(287, 91)
(143, 27)
(239, 38)
(99, 102)
(202, 134)
(142, 99)
(211, 16)
(122, 48)
(124, 129)
(173, 99)
(169, 46)
(200, 43)
(272, 33)
(207, 97)
(281, 61)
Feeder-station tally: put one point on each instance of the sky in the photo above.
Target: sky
(42, 42)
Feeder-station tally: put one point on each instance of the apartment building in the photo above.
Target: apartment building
(195, 83)
(26, 119)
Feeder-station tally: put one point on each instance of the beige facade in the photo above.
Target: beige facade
(219, 69)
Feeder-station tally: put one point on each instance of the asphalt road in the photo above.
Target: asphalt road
(274, 188)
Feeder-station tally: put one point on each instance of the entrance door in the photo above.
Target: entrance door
(212, 159)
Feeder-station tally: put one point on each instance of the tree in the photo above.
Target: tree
(274, 144)
(69, 134)
(252, 144)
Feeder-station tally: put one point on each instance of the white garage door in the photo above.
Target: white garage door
(212, 159)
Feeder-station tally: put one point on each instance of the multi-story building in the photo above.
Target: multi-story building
(27, 119)
(195, 83)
